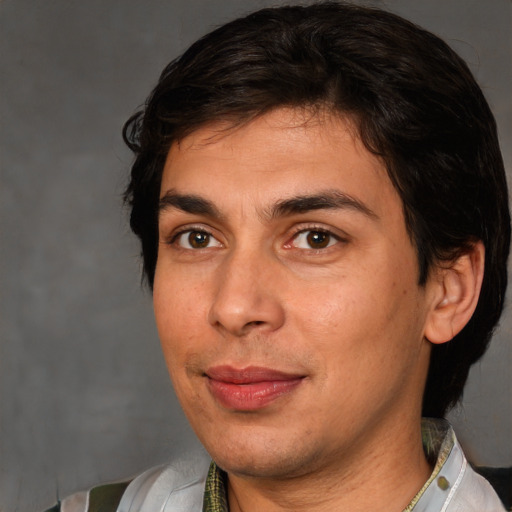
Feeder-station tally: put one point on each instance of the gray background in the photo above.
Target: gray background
(84, 392)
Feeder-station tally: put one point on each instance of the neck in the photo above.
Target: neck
(378, 476)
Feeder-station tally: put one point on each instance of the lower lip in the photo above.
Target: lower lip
(250, 396)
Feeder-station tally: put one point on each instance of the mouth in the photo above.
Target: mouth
(251, 388)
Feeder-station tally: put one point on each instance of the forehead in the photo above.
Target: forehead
(287, 152)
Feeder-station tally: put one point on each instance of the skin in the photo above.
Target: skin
(349, 317)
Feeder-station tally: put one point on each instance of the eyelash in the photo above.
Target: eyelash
(332, 238)
(191, 229)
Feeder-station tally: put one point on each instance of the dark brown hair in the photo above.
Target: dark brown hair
(415, 104)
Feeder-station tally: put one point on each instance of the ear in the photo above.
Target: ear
(456, 291)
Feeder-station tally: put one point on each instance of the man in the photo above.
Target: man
(323, 214)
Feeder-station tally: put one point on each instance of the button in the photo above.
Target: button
(442, 483)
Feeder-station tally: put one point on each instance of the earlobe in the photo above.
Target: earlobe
(457, 289)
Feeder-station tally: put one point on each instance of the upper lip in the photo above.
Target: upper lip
(248, 375)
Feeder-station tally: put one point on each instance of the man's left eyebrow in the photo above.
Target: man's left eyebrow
(330, 199)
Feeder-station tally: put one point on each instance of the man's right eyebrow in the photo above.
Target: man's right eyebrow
(188, 203)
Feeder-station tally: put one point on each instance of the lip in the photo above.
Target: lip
(250, 388)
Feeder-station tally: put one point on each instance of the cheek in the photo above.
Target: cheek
(178, 321)
(363, 317)
(335, 308)
(180, 315)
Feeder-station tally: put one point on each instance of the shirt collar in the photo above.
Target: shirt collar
(438, 443)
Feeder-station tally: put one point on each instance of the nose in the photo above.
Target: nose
(247, 296)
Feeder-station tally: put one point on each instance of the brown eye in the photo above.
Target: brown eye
(318, 239)
(198, 239)
(195, 239)
(314, 239)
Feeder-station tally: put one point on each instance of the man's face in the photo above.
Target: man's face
(286, 295)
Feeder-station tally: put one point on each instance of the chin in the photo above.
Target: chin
(262, 458)
(264, 468)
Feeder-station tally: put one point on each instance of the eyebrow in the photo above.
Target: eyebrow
(329, 199)
(188, 203)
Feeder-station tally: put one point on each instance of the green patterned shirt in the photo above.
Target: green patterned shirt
(215, 496)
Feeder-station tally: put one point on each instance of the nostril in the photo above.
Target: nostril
(238, 311)
(250, 326)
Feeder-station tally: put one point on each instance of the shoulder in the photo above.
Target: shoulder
(102, 498)
(463, 489)
(468, 491)
(176, 487)
(474, 493)
(501, 481)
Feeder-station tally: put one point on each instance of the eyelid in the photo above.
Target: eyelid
(182, 230)
(338, 235)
